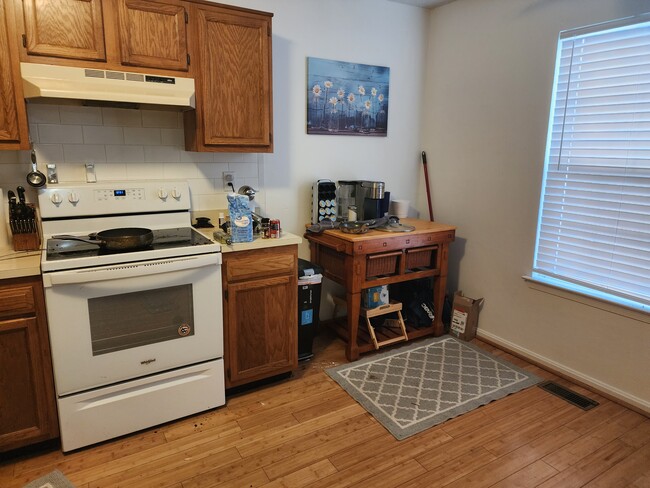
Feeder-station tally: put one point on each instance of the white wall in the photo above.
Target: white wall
(488, 84)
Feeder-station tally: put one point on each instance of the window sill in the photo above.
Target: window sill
(575, 296)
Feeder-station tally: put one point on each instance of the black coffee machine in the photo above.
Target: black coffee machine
(369, 199)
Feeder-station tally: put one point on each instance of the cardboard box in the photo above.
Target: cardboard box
(375, 296)
(464, 317)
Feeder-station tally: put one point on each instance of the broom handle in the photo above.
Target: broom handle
(426, 181)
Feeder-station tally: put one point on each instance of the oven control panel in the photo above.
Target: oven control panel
(120, 194)
(113, 198)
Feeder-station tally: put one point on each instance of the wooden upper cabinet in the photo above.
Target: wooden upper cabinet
(13, 115)
(153, 34)
(65, 29)
(234, 81)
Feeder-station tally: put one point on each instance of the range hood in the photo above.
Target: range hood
(50, 81)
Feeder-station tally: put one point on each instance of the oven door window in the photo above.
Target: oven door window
(136, 319)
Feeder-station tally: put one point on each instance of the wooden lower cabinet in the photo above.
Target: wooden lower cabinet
(260, 290)
(27, 398)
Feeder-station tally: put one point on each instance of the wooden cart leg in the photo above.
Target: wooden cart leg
(354, 307)
(439, 290)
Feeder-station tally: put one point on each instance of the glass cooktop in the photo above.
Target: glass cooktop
(163, 239)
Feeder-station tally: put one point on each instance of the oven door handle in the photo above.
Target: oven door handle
(130, 270)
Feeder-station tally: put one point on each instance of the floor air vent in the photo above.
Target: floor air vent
(570, 396)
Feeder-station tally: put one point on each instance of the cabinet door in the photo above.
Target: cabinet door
(262, 329)
(65, 28)
(27, 413)
(13, 115)
(153, 34)
(235, 78)
(27, 398)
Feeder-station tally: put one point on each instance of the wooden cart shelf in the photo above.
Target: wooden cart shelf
(359, 261)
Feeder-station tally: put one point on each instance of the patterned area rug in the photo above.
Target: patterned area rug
(423, 384)
(55, 479)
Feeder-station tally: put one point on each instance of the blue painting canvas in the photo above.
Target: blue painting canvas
(346, 98)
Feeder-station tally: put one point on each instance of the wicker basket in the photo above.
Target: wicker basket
(382, 264)
(423, 257)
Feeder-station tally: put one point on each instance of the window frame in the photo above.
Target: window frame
(566, 283)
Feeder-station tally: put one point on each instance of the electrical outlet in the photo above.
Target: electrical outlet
(229, 177)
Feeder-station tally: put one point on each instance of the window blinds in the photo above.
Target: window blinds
(594, 222)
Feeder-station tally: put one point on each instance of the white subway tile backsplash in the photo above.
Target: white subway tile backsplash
(202, 185)
(13, 174)
(250, 158)
(244, 170)
(84, 153)
(33, 133)
(127, 144)
(144, 171)
(111, 171)
(74, 114)
(122, 117)
(174, 137)
(160, 118)
(212, 170)
(125, 154)
(60, 134)
(40, 113)
(47, 153)
(196, 157)
(103, 135)
(180, 171)
(162, 154)
(228, 158)
(209, 201)
(145, 136)
(9, 157)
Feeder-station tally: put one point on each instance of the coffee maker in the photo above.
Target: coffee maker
(369, 199)
(346, 198)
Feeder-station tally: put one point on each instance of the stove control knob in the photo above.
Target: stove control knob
(73, 198)
(162, 194)
(176, 193)
(56, 198)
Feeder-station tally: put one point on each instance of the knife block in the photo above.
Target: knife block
(27, 242)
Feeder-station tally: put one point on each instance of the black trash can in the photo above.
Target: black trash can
(309, 288)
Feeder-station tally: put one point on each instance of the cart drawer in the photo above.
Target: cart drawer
(384, 264)
(421, 258)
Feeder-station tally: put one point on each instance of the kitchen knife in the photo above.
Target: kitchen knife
(12, 211)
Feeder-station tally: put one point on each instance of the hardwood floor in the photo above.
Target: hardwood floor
(306, 431)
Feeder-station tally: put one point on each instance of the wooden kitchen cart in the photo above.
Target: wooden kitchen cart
(359, 261)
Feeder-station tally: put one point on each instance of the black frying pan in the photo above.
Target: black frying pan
(124, 239)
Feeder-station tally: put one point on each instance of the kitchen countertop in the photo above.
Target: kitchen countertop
(16, 264)
(286, 239)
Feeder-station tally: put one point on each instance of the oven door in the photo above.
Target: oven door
(120, 322)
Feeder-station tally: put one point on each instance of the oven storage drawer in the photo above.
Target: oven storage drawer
(98, 415)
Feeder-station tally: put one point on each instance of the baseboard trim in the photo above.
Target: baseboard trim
(629, 401)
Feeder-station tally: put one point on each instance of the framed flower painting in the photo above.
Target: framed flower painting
(346, 98)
